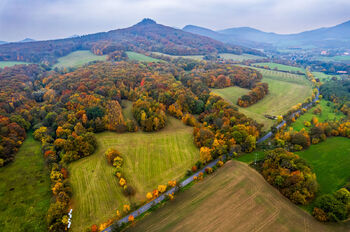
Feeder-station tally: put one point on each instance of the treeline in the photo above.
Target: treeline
(216, 75)
(327, 67)
(254, 95)
(19, 86)
(337, 91)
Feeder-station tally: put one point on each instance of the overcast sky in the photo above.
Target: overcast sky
(49, 19)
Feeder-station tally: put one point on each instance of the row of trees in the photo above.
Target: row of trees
(254, 95)
(18, 86)
(216, 75)
(318, 132)
(115, 159)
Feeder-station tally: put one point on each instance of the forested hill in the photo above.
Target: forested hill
(146, 35)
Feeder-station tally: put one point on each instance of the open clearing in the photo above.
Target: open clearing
(235, 198)
(323, 76)
(342, 59)
(194, 57)
(4, 64)
(25, 190)
(285, 91)
(243, 57)
(77, 59)
(330, 161)
(141, 57)
(328, 113)
(150, 159)
(282, 67)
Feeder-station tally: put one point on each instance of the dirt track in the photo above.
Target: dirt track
(235, 198)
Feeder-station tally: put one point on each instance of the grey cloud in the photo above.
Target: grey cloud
(47, 19)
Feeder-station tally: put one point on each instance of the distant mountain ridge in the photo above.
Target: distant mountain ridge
(26, 40)
(146, 35)
(327, 37)
(21, 41)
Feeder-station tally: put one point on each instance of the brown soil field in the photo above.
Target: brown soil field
(235, 198)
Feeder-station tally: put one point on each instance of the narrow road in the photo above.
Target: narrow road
(268, 135)
(187, 181)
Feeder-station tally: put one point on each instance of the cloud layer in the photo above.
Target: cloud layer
(47, 19)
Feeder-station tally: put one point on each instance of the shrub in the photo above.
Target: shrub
(161, 188)
(131, 218)
(129, 191)
(111, 154)
(205, 154)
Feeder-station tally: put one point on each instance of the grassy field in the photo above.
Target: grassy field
(150, 159)
(25, 190)
(194, 57)
(280, 67)
(243, 57)
(331, 161)
(324, 77)
(327, 114)
(127, 109)
(235, 198)
(285, 91)
(77, 59)
(141, 57)
(343, 59)
(231, 93)
(251, 157)
(4, 64)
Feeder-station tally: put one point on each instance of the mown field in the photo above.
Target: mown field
(343, 59)
(328, 113)
(243, 57)
(323, 76)
(282, 67)
(77, 59)
(235, 198)
(285, 91)
(150, 159)
(4, 64)
(25, 190)
(141, 57)
(330, 161)
(198, 57)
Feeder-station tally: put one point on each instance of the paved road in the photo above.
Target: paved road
(162, 197)
(268, 135)
(187, 181)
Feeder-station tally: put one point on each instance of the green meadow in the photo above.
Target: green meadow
(25, 190)
(150, 159)
(78, 59)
